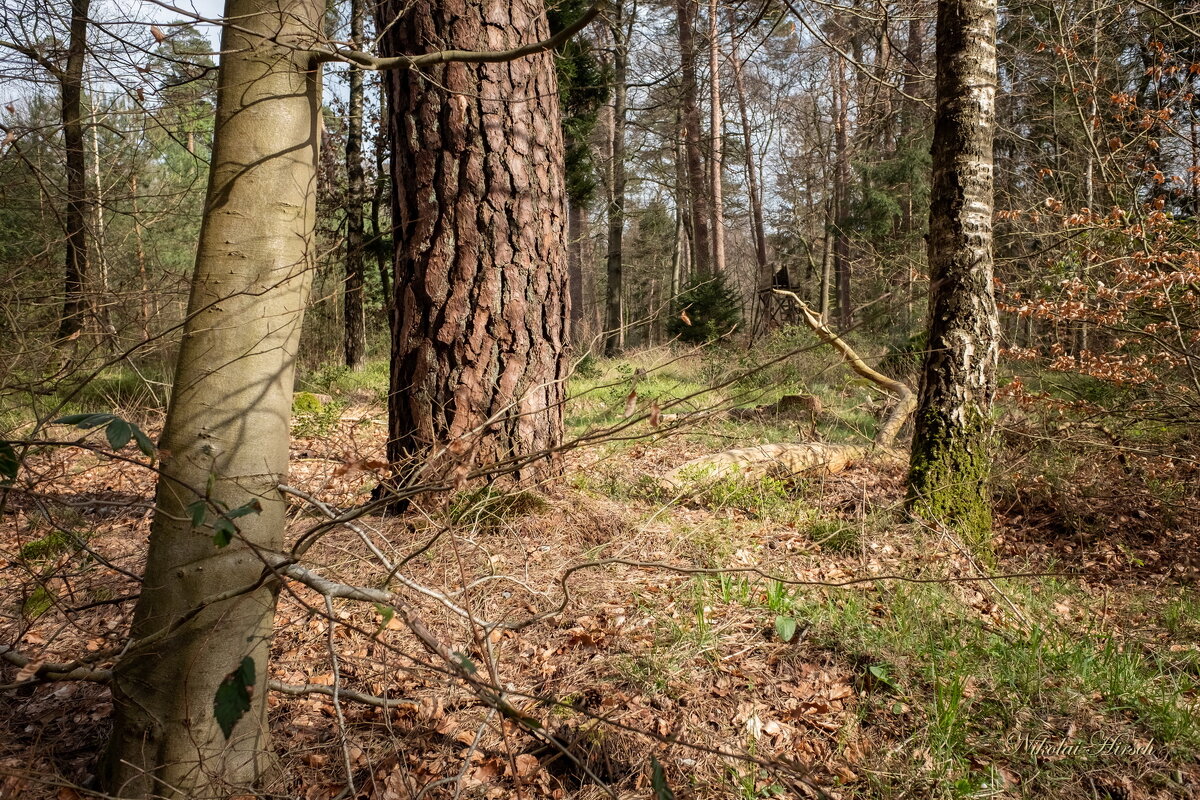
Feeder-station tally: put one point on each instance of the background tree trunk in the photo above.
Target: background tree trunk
(950, 463)
(841, 246)
(381, 242)
(355, 315)
(716, 154)
(227, 426)
(479, 325)
(74, 310)
(690, 111)
(614, 326)
(577, 234)
(765, 279)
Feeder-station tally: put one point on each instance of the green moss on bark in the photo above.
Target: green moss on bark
(948, 479)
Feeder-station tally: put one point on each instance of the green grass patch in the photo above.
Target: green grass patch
(313, 417)
(340, 382)
(970, 698)
(835, 535)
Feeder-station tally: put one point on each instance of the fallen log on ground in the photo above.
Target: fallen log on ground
(793, 459)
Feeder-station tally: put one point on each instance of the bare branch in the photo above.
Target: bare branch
(343, 693)
(368, 61)
(48, 671)
(907, 401)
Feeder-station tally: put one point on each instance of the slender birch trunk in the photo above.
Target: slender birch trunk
(951, 459)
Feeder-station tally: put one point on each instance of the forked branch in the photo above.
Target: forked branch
(906, 401)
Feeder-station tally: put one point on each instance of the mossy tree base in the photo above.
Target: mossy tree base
(948, 478)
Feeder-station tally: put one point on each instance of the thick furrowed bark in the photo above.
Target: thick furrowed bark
(227, 427)
(479, 325)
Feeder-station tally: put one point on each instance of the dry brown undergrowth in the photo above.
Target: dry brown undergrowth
(671, 669)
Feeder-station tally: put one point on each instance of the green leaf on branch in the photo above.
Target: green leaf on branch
(252, 507)
(143, 441)
(232, 700)
(198, 511)
(224, 530)
(118, 431)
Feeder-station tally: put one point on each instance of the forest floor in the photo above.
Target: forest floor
(776, 638)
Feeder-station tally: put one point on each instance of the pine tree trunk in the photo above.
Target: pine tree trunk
(577, 231)
(140, 257)
(764, 279)
(841, 251)
(950, 463)
(716, 151)
(227, 427)
(383, 255)
(479, 325)
(355, 314)
(74, 310)
(690, 102)
(613, 322)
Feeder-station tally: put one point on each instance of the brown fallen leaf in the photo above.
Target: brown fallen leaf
(28, 671)
(630, 404)
(527, 765)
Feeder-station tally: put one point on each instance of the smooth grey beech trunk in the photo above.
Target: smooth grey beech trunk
(227, 426)
(950, 462)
